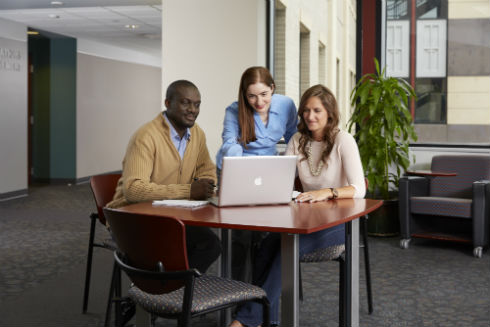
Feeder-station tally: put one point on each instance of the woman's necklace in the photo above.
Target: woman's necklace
(313, 171)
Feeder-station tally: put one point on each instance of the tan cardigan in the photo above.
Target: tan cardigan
(153, 169)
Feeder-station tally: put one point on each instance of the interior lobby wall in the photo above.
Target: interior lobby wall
(114, 98)
(13, 108)
(211, 43)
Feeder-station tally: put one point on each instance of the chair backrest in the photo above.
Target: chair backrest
(147, 240)
(469, 168)
(103, 188)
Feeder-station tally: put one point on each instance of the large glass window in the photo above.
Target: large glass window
(441, 48)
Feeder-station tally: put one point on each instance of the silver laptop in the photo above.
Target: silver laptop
(256, 180)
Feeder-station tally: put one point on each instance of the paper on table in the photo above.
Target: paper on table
(180, 203)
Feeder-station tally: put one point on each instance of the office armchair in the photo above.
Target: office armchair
(152, 252)
(454, 208)
(103, 188)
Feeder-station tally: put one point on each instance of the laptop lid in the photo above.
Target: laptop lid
(256, 180)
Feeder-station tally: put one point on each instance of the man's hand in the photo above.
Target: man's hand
(202, 189)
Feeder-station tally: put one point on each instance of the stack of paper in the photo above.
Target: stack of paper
(180, 203)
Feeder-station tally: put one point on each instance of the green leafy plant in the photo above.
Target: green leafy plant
(384, 128)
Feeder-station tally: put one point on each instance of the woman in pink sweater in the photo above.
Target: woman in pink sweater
(329, 167)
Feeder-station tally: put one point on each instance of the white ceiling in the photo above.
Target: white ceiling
(97, 20)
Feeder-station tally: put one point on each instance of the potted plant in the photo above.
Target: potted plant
(383, 133)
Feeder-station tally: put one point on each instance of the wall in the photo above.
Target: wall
(331, 24)
(53, 85)
(211, 43)
(423, 154)
(114, 98)
(13, 109)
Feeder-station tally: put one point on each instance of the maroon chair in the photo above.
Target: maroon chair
(152, 251)
(103, 188)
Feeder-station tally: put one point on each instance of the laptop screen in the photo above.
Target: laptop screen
(256, 180)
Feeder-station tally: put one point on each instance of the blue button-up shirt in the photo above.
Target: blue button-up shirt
(282, 122)
(180, 143)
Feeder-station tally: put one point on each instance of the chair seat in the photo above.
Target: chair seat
(324, 254)
(441, 206)
(209, 292)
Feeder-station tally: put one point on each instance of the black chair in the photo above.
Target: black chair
(152, 252)
(453, 208)
(335, 253)
(103, 188)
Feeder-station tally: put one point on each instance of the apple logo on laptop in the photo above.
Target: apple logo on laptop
(258, 181)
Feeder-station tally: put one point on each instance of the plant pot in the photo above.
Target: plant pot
(384, 221)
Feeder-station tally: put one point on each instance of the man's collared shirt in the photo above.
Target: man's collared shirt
(179, 143)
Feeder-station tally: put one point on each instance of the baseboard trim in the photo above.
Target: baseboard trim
(13, 195)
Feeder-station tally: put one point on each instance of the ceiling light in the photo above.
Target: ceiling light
(132, 26)
(54, 16)
(32, 32)
(57, 3)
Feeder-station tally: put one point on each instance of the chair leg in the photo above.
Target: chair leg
(110, 298)
(118, 298)
(266, 313)
(300, 284)
(88, 271)
(367, 265)
(341, 291)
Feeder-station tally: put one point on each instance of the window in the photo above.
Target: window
(441, 48)
(322, 67)
(304, 59)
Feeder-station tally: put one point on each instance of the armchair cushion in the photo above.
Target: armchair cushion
(441, 206)
(209, 292)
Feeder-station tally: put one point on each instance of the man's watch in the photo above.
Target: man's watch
(335, 193)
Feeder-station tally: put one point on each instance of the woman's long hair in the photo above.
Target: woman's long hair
(246, 112)
(331, 128)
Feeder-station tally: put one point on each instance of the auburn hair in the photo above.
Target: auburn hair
(331, 128)
(246, 120)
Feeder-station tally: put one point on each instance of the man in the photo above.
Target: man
(167, 158)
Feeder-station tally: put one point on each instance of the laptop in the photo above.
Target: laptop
(256, 180)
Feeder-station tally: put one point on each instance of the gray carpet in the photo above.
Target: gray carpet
(43, 245)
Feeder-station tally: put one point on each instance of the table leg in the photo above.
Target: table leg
(225, 269)
(290, 280)
(352, 273)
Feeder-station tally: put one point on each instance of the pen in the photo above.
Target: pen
(196, 179)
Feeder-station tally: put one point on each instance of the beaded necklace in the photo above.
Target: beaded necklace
(313, 171)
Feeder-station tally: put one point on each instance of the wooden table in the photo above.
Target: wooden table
(290, 220)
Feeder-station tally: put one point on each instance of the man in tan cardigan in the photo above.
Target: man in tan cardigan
(167, 158)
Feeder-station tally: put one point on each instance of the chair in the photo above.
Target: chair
(152, 252)
(335, 253)
(454, 208)
(103, 188)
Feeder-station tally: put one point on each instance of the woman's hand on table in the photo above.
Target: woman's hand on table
(314, 196)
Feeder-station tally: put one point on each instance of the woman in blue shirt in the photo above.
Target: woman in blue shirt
(255, 123)
(253, 126)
